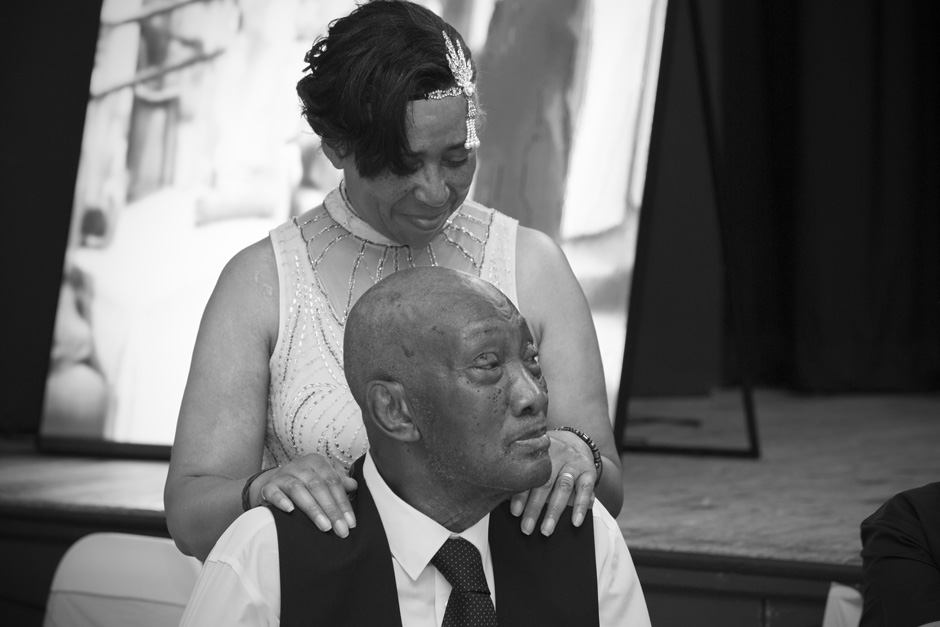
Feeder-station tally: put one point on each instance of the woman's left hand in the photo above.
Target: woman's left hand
(572, 481)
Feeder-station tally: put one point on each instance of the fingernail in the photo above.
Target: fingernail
(516, 508)
(323, 523)
(548, 527)
(527, 525)
(350, 519)
(578, 519)
(340, 528)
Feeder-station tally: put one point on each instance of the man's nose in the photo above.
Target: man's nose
(432, 188)
(528, 395)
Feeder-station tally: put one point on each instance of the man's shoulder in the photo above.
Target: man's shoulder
(251, 533)
(608, 537)
(910, 505)
(603, 519)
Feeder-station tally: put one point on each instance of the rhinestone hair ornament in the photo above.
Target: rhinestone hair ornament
(463, 75)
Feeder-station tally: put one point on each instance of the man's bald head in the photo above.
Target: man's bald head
(400, 319)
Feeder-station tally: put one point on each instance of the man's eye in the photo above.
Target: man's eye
(535, 367)
(531, 358)
(531, 353)
(486, 361)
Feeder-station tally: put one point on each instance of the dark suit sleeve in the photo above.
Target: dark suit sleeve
(901, 560)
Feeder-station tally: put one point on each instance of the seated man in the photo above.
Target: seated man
(901, 561)
(444, 369)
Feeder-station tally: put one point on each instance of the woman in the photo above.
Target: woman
(267, 415)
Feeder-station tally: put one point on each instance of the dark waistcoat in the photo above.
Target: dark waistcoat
(327, 580)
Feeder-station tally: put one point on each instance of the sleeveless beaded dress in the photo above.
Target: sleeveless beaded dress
(326, 258)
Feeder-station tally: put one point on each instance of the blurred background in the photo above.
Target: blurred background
(144, 142)
(193, 147)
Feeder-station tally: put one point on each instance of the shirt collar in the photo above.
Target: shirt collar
(413, 537)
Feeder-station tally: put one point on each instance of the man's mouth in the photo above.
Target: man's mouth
(535, 442)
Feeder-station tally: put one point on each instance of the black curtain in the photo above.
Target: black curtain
(830, 123)
(46, 55)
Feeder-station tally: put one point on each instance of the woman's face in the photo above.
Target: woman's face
(412, 209)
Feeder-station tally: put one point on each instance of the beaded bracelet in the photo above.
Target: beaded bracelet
(246, 502)
(598, 462)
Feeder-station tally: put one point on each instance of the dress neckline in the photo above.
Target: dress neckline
(335, 205)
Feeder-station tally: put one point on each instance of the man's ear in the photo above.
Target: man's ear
(391, 413)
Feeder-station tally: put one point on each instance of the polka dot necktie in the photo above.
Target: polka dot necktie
(470, 604)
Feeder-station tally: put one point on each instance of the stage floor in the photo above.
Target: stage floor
(827, 462)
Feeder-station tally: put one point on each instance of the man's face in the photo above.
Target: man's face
(481, 402)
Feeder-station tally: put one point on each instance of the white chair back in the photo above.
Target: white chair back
(116, 579)
(843, 606)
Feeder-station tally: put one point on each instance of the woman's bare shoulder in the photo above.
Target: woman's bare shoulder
(248, 287)
(255, 260)
(531, 242)
(541, 267)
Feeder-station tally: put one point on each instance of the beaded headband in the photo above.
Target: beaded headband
(463, 75)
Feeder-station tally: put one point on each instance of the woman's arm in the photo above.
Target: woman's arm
(551, 299)
(220, 432)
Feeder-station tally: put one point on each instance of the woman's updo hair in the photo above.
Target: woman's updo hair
(362, 75)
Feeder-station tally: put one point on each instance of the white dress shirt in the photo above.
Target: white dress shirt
(240, 581)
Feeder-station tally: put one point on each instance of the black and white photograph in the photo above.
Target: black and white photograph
(450, 313)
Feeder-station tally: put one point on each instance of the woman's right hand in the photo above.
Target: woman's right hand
(318, 487)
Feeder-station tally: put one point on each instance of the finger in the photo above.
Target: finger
(273, 495)
(348, 485)
(340, 491)
(276, 496)
(533, 507)
(561, 492)
(315, 497)
(583, 498)
(517, 503)
(331, 496)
